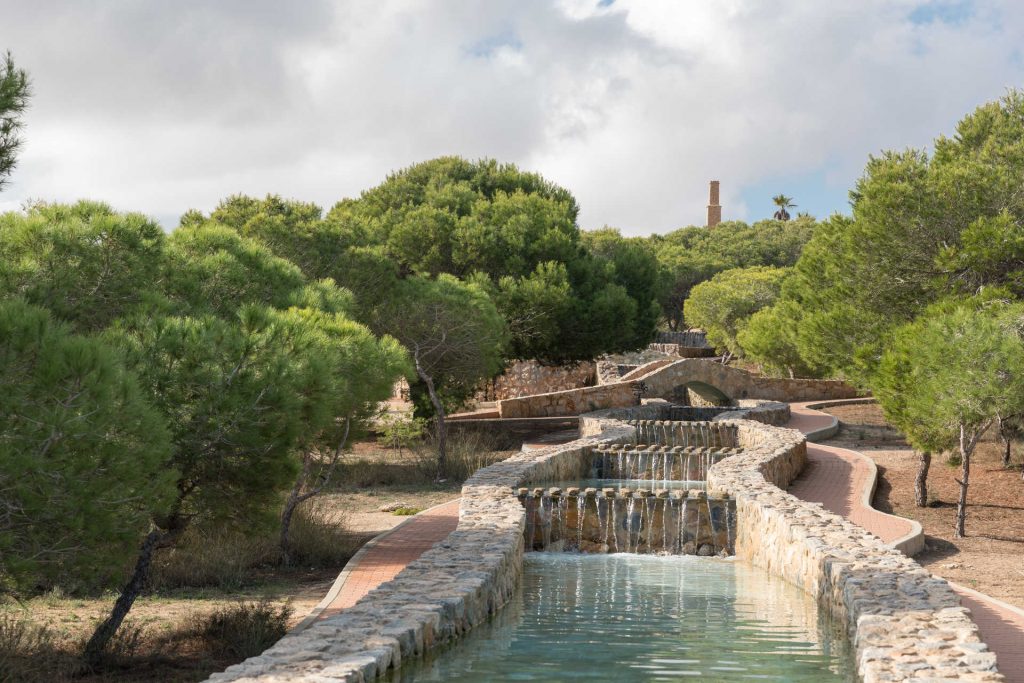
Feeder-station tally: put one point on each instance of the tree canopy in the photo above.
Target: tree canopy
(518, 232)
(723, 305)
(83, 455)
(454, 335)
(689, 256)
(84, 262)
(923, 228)
(15, 91)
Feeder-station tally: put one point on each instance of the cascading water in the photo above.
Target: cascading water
(642, 494)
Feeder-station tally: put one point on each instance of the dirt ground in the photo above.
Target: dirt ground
(991, 558)
(371, 476)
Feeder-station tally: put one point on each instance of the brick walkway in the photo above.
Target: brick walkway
(382, 558)
(842, 481)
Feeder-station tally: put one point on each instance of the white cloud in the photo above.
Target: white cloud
(632, 106)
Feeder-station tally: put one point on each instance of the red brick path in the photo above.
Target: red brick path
(837, 478)
(385, 556)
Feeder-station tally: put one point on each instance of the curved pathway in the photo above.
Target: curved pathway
(843, 481)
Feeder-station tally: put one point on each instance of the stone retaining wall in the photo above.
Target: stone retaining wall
(905, 624)
(719, 384)
(692, 338)
(528, 377)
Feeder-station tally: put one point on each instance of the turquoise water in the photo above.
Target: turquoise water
(646, 618)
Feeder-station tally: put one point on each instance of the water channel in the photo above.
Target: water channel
(626, 617)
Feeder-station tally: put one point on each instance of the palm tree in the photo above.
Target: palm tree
(783, 202)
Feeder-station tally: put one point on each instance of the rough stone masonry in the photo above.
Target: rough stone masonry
(906, 625)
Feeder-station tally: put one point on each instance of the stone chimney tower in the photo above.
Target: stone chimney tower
(714, 208)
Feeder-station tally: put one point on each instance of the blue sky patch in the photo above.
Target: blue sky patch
(946, 11)
(811, 192)
(487, 46)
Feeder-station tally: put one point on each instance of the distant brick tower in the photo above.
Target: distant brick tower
(714, 208)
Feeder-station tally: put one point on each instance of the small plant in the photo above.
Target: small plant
(124, 646)
(405, 511)
(398, 432)
(242, 630)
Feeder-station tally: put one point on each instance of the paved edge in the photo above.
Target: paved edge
(913, 542)
(351, 566)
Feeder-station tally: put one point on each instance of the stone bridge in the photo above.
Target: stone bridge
(711, 381)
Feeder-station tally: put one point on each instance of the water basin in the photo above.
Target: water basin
(625, 617)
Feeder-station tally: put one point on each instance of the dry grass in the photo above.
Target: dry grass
(242, 630)
(375, 465)
(27, 651)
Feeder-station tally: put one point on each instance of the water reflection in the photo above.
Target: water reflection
(647, 618)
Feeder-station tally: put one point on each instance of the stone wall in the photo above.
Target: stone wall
(720, 384)
(528, 377)
(682, 351)
(691, 338)
(571, 402)
(905, 624)
(767, 412)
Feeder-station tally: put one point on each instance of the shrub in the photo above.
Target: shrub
(210, 557)
(242, 630)
(398, 432)
(26, 651)
(318, 536)
(470, 450)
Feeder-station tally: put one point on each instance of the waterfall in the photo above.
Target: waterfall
(581, 512)
(649, 505)
(711, 525)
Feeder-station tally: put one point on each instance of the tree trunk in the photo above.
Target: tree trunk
(294, 498)
(297, 497)
(105, 631)
(1006, 435)
(442, 436)
(921, 482)
(966, 448)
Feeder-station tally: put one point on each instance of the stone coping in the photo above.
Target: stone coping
(905, 624)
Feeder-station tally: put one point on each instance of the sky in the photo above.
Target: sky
(633, 105)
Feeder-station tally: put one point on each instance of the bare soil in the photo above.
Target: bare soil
(991, 558)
